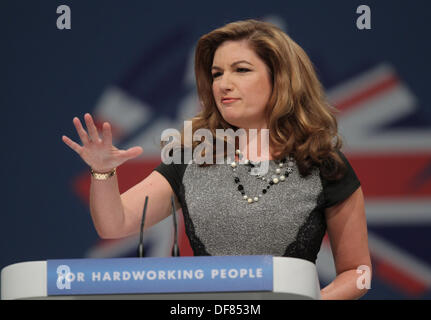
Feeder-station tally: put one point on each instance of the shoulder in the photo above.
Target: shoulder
(338, 189)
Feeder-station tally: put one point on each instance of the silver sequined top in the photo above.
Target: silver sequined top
(287, 220)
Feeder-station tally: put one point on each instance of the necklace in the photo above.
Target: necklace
(277, 177)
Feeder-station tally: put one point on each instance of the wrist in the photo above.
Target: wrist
(103, 175)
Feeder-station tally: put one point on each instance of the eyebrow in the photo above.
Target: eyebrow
(233, 64)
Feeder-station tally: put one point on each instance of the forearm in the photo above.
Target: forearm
(106, 207)
(344, 287)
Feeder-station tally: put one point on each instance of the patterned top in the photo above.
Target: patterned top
(288, 220)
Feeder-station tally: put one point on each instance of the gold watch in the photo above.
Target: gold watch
(103, 176)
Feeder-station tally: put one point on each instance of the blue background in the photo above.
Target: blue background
(49, 76)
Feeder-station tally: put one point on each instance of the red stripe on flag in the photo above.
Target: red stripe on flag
(393, 175)
(398, 278)
(368, 93)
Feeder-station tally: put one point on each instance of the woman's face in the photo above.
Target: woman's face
(241, 85)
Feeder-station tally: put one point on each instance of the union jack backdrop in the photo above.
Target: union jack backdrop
(387, 143)
(131, 64)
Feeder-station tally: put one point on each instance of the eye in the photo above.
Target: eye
(216, 74)
(242, 70)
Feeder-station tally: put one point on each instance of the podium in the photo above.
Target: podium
(180, 278)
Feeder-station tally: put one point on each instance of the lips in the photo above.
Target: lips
(229, 100)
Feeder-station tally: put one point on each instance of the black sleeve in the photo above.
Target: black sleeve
(338, 190)
(173, 173)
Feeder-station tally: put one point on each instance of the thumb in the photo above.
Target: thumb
(132, 152)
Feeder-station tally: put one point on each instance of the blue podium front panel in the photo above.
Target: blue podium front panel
(160, 275)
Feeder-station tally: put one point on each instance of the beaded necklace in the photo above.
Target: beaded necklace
(276, 178)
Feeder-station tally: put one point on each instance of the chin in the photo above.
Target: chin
(234, 121)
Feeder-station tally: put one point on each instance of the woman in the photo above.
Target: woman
(250, 75)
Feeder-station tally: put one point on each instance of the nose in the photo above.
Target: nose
(225, 82)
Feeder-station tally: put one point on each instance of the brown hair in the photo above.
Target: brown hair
(300, 120)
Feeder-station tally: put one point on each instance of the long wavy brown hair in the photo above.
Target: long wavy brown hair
(300, 120)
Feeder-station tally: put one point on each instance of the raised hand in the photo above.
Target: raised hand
(99, 153)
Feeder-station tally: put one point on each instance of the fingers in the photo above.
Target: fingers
(93, 135)
(107, 134)
(134, 152)
(73, 145)
(130, 153)
(81, 132)
(91, 127)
